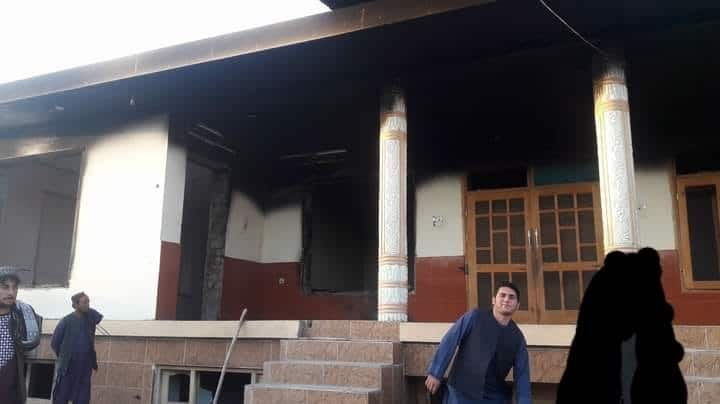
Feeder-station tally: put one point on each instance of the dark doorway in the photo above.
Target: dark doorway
(195, 225)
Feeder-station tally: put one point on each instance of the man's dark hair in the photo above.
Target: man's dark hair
(508, 284)
(75, 299)
(9, 274)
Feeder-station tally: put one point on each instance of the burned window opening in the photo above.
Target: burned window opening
(38, 201)
(340, 237)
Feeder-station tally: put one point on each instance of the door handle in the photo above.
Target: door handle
(532, 272)
(530, 238)
(535, 273)
(536, 254)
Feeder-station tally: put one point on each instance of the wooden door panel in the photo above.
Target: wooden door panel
(567, 244)
(498, 247)
(547, 240)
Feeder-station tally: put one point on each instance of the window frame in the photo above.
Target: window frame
(684, 252)
(306, 255)
(28, 374)
(40, 159)
(162, 373)
(4, 190)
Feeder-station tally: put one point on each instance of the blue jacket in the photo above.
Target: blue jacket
(476, 337)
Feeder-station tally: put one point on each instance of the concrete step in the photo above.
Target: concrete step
(352, 374)
(338, 350)
(352, 329)
(309, 394)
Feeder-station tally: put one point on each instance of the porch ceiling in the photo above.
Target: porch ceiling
(510, 59)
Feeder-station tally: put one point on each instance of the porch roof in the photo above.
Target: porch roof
(371, 41)
(358, 17)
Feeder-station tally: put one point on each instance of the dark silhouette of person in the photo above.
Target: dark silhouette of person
(657, 378)
(623, 299)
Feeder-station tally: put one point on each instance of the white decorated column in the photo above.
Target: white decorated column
(615, 156)
(392, 254)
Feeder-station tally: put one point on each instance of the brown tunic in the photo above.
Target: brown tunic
(12, 389)
(8, 383)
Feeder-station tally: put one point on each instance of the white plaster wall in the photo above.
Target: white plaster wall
(270, 237)
(441, 197)
(656, 215)
(282, 236)
(117, 238)
(174, 195)
(276, 236)
(245, 229)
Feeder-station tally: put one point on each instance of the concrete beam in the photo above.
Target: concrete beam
(343, 21)
(289, 329)
(551, 335)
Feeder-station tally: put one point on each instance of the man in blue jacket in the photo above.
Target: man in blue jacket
(488, 344)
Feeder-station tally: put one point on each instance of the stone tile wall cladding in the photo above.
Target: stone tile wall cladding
(701, 364)
(125, 371)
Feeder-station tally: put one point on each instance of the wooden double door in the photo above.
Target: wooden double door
(547, 240)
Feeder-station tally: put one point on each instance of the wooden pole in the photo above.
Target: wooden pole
(227, 357)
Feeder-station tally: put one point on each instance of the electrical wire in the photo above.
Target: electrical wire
(562, 20)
